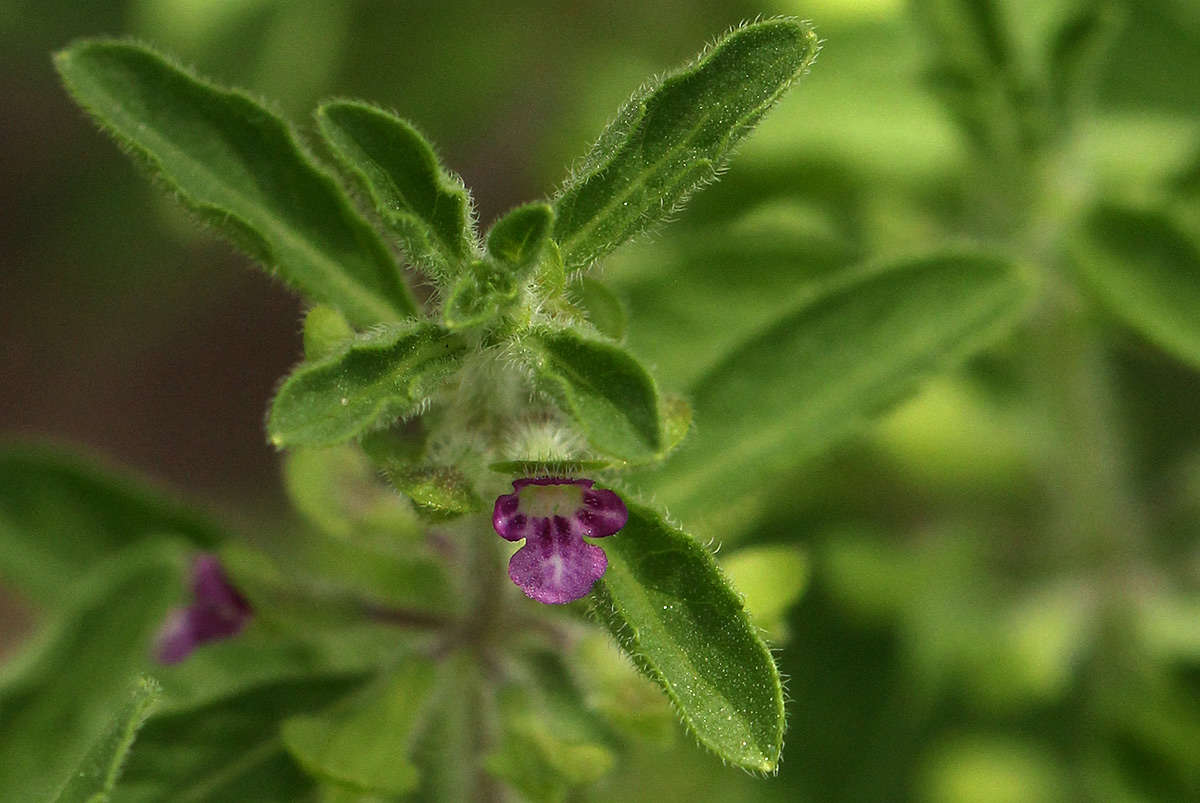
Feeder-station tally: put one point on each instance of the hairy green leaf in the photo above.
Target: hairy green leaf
(480, 295)
(670, 608)
(365, 748)
(384, 374)
(609, 394)
(426, 206)
(1146, 270)
(93, 780)
(229, 748)
(822, 370)
(516, 239)
(239, 168)
(60, 696)
(61, 514)
(675, 135)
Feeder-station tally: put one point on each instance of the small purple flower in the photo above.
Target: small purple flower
(217, 611)
(556, 565)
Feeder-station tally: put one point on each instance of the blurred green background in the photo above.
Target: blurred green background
(950, 645)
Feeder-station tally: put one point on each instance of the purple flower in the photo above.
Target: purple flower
(217, 611)
(552, 515)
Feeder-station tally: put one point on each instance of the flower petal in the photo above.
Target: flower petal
(217, 611)
(507, 518)
(175, 640)
(211, 588)
(555, 566)
(603, 513)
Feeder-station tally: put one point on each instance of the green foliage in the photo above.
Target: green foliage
(674, 136)
(1145, 268)
(606, 391)
(337, 489)
(824, 368)
(229, 748)
(380, 376)
(1076, 54)
(481, 294)
(439, 491)
(516, 239)
(550, 741)
(668, 605)
(95, 777)
(239, 169)
(362, 748)
(59, 698)
(60, 515)
(448, 732)
(1001, 597)
(425, 206)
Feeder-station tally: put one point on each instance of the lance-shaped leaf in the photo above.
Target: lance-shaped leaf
(229, 748)
(516, 239)
(675, 135)
(93, 780)
(60, 515)
(1146, 270)
(364, 749)
(425, 205)
(670, 608)
(239, 168)
(609, 394)
(381, 375)
(822, 370)
(60, 695)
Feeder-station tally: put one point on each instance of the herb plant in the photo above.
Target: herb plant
(491, 473)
